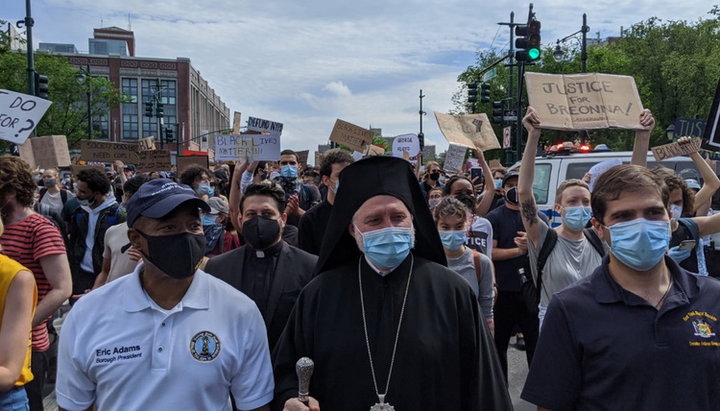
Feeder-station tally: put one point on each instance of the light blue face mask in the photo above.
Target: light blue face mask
(576, 218)
(640, 244)
(289, 171)
(208, 219)
(203, 189)
(388, 247)
(337, 186)
(453, 240)
(498, 184)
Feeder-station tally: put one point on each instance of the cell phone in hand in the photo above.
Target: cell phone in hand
(476, 172)
(686, 245)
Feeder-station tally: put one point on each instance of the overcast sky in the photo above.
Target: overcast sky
(306, 63)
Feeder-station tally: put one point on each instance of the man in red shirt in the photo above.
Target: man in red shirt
(35, 242)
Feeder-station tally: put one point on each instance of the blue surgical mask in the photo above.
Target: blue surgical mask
(576, 218)
(453, 240)
(337, 186)
(640, 244)
(203, 189)
(208, 219)
(387, 247)
(676, 211)
(498, 184)
(211, 191)
(289, 171)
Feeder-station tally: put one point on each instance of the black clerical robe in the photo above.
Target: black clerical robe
(445, 357)
(312, 226)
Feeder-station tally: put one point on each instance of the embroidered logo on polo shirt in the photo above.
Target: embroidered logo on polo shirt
(205, 346)
(701, 326)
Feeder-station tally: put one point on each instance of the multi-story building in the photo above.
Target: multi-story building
(191, 106)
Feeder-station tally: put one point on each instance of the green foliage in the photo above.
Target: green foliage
(68, 90)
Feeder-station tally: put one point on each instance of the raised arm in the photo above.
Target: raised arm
(235, 193)
(484, 206)
(528, 208)
(642, 139)
(711, 182)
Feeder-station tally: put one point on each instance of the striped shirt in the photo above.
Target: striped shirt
(26, 242)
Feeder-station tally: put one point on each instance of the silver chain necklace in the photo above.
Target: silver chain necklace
(382, 405)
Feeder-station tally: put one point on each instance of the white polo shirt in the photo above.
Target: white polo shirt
(121, 351)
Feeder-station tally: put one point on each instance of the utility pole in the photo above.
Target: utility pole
(28, 22)
(421, 136)
(509, 158)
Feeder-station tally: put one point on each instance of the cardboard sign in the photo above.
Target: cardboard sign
(302, 156)
(373, 150)
(183, 162)
(236, 122)
(406, 143)
(109, 152)
(256, 147)
(154, 160)
(676, 149)
(454, 157)
(45, 152)
(270, 127)
(584, 101)
(469, 130)
(494, 164)
(147, 143)
(318, 158)
(350, 135)
(76, 169)
(711, 137)
(19, 114)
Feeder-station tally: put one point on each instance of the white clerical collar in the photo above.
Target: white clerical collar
(382, 273)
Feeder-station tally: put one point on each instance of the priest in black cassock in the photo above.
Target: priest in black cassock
(385, 322)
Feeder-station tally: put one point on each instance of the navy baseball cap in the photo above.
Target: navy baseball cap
(508, 176)
(158, 197)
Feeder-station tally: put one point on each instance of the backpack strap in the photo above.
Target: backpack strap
(42, 194)
(692, 226)
(478, 271)
(595, 241)
(548, 245)
(63, 196)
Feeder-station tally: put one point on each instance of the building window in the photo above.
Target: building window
(130, 87)
(130, 121)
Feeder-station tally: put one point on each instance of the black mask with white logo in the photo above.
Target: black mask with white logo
(511, 196)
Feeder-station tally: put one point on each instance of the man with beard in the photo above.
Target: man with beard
(168, 336)
(385, 322)
(266, 269)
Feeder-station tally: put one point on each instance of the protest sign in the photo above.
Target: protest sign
(19, 114)
(676, 149)
(469, 130)
(454, 158)
(236, 123)
(45, 152)
(406, 143)
(270, 127)
(711, 137)
(357, 156)
(109, 152)
(584, 101)
(154, 160)
(183, 162)
(256, 147)
(507, 131)
(147, 143)
(688, 127)
(373, 150)
(495, 164)
(75, 169)
(350, 135)
(302, 156)
(318, 158)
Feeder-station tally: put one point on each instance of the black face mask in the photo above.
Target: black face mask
(261, 232)
(511, 196)
(177, 255)
(434, 176)
(468, 200)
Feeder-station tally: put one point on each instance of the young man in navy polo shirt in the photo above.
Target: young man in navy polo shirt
(640, 333)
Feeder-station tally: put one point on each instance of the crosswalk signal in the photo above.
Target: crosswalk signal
(149, 109)
(498, 111)
(485, 93)
(528, 42)
(41, 86)
(169, 137)
(472, 92)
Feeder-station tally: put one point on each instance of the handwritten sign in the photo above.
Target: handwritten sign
(350, 135)
(256, 147)
(147, 143)
(676, 149)
(711, 137)
(454, 158)
(270, 127)
(19, 114)
(107, 152)
(469, 130)
(183, 162)
(236, 122)
(406, 143)
(302, 156)
(76, 169)
(373, 150)
(154, 160)
(584, 101)
(45, 152)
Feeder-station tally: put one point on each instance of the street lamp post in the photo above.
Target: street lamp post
(558, 54)
(84, 77)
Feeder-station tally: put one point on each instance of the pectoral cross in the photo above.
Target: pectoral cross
(382, 406)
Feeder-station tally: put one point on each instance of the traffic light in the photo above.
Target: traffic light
(41, 86)
(169, 135)
(159, 111)
(472, 92)
(528, 42)
(485, 93)
(149, 109)
(498, 111)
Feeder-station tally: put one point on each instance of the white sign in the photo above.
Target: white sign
(409, 143)
(256, 147)
(357, 156)
(19, 115)
(454, 158)
(270, 127)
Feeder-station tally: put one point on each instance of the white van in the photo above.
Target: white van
(552, 169)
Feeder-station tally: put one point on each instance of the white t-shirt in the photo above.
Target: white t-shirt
(121, 351)
(120, 263)
(54, 201)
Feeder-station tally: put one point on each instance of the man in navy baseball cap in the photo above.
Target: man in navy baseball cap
(158, 197)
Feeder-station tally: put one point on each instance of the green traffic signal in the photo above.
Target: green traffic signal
(533, 54)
